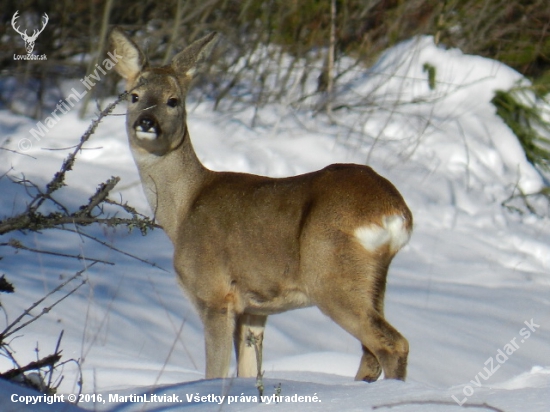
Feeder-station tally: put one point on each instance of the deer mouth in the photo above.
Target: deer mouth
(146, 135)
(147, 129)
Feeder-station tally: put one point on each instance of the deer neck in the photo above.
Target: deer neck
(170, 182)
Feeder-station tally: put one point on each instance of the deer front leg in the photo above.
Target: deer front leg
(247, 364)
(219, 325)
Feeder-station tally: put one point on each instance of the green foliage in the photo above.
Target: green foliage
(541, 85)
(521, 113)
(427, 67)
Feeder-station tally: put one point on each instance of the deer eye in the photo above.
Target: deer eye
(172, 102)
(134, 98)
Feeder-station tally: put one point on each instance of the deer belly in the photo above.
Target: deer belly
(266, 302)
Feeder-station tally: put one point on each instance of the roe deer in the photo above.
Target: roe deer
(247, 246)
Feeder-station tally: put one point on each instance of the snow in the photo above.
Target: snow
(473, 280)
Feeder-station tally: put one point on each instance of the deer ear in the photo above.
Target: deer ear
(130, 59)
(189, 61)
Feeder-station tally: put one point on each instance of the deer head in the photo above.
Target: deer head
(156, 116)
(29, 40)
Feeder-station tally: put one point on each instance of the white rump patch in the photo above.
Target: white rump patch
(145, 135)
(392, 232)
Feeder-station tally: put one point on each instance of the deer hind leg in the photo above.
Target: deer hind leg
(369, 368)
(249, 326)
(383, 343)
(388, 345)
(352, 294)
(384, 347)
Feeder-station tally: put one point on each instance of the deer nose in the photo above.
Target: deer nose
(146, 123)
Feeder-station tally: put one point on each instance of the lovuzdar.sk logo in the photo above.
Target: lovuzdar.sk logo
(29, 40)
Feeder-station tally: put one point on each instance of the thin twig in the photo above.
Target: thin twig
(256, 341)
(16, 152)
(56, 351)
(47, 309)
(153, 264)
(8, 331)
(16, 244)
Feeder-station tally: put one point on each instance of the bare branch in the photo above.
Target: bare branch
(10, 329)
(49, 360)
(99, 196)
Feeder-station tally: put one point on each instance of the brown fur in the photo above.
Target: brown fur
(248, 246)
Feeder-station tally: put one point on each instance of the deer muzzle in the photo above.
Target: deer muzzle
(147, 128)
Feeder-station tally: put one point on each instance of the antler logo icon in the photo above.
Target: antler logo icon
(29, 40)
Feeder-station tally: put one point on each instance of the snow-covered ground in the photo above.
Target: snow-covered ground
(471, 291)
